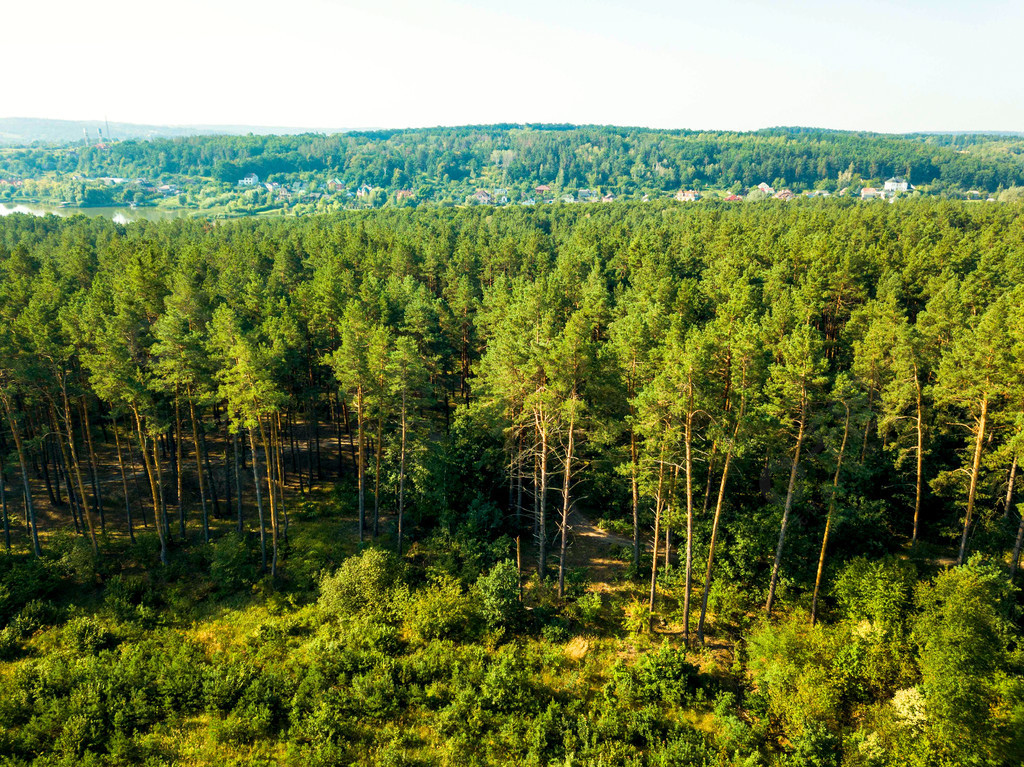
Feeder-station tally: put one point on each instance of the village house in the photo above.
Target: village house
(896, 184)
(688, 195)
(765, 188)
(483, 197)
(364, 190)
(733, 198)
(542, 189)
(608, 198)
(784, 194)
(404, 194)
(335, 185)
(251, 180)
(870, 193)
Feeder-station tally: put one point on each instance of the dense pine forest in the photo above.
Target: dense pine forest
(440, 162)
(628, 484)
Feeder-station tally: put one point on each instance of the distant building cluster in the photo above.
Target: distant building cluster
(890, 189)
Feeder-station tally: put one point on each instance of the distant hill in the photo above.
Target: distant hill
(451, 163)
(15, 131)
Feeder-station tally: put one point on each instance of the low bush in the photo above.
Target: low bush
(363, 583)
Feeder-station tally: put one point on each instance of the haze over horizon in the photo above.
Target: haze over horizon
(741, 65)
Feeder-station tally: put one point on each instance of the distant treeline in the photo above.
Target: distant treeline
(622, 159)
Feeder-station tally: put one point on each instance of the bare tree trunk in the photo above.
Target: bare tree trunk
(152, 486)
(1009, 487)
(199, 468)
(920, 457)
(124, 481)
(975, 471)
(376, 477)
(542, 531)
(238, 483)
(165, 521)
(710, 479)
(178, 468)
(211, 481)
(268, 456)
(30, 512)
(139, 493)
(3, 509)
(789, 503)
(361, 462)
(635, 498)
(259, 501)
(1015, 558)
(828, 517)
(654, 555)
(281, 478)
(96, 492)
(689, 524)
(566, 491)
(401, 478)
(519, 486)
(51, 485)
(867, 426)
(714, 525)
(64, 469)
(78, 472)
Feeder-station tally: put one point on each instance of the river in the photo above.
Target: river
(119, 215)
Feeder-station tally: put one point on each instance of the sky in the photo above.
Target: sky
(889, 66)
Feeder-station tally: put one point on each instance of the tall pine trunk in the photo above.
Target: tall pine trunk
(30, 511)
(124, 481)
(689, 523)
(828, 517)
(975, 472)
(362, 462)
(401, 478)
(78, 471)
(259, 501)
(658, 502)
(566, 491)
(150, 474)
(199, 468)
(96, 490)
(268, 456)
(542, 529)
(789, 502)
(715, 523)
(919, 485)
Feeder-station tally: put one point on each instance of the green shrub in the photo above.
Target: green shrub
(86, 635)
(506, 686)
(688, 748)
(499, 597)
(964, 632)
(233, 562)
(802, 673)
(363, 582)
(442, 611)
(129, 599)
(587, 608)
(636, 617)
(22, 581)
(661, 676)
(10, 643)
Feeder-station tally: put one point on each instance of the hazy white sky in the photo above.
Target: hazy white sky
(736, 64)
